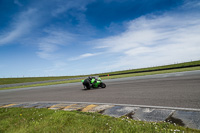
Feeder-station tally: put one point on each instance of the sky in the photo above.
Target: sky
(75, 37)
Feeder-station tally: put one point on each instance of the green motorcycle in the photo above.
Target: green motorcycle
(93, 82)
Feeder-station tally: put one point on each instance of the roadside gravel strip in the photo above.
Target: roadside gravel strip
(181, 116)
(38, 82)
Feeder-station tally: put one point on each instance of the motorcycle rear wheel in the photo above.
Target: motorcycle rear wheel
(86, 84)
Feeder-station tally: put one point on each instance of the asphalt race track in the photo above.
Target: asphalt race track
(170, 90)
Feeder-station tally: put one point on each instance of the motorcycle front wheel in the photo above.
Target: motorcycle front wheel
(103, 85)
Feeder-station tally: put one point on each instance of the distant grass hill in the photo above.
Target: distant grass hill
(157, 68)
(4, 81)
(192, 64)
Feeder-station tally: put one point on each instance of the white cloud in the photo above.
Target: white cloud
(154, 40)
(86, 55)
(20, 27)
(50, 44)
(18, 3)
(57, 67)
(64, 6)
(191, 4)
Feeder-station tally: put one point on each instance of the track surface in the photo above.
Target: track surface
(178, 90)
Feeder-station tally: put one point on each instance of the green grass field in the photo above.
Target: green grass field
(43, 84)
(31, 79)
(19, 120)
(152, 73)
(23, 80)
(186, 64)
(35, 79)
(108, 77)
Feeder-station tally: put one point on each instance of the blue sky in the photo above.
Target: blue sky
(72, 37)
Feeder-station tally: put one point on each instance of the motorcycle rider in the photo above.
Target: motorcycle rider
(90, 78)
(93, 82)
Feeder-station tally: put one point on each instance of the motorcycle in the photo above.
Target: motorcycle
(93, 82)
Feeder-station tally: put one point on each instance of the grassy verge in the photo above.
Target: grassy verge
(35, 79)
(42, 84)
(157, 68)
(44, 120)
(152, 73)
(108, 77)
(4, 81)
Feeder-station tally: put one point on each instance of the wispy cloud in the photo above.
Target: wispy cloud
(155, 40)
(70, 35)
(64, 6)
(57, 67)
(53, 41)
(86, 55)
(191, 4)
(19, 27)
(18, 3)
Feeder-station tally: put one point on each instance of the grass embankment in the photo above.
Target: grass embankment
(4, 81)
(44, 120)
(152, 73)
(138, 73)
(157, 68)
(42, 84)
